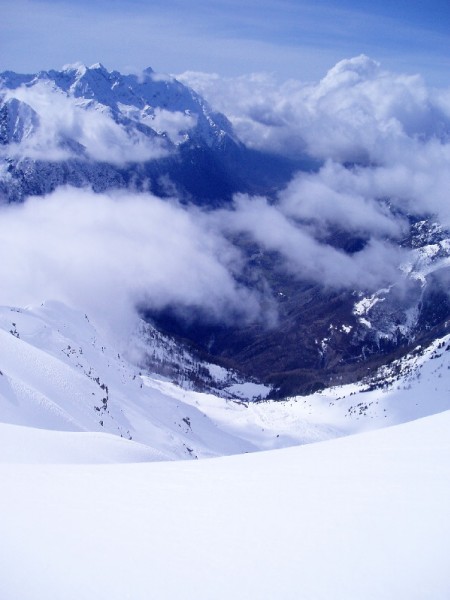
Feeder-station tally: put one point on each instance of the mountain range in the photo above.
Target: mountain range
(157, 133)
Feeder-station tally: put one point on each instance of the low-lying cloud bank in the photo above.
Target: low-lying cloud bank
(306, 257)
(110, 253)
(384, 140)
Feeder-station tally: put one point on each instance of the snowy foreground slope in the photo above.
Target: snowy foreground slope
(366, 516)
(87, 512)
(57, 373)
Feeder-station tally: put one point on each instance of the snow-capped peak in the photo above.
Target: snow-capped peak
(76, 67)
(98, 67)
(141, 107)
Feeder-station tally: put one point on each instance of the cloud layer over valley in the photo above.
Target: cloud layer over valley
(109, 253)
(383, 143)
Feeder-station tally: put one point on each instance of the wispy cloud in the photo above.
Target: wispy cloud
(108, 254)
(306, 257)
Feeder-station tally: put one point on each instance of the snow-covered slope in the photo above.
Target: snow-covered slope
(57, 373)
(30, 445)
(415, 386)
(364, 516)
(367, 516)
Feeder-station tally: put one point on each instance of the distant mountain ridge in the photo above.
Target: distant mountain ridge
(120, 93)
(152, 132)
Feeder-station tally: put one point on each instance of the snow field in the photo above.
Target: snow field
(367, 516)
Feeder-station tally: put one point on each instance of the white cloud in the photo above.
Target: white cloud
(391, 127)
(306, 257)
(175, 124)
(67, 127)
(357, 112)
(106, 254)
(332, 197)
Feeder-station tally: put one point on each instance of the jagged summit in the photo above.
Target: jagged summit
(76, 66)
(98, 66)
(134, 100)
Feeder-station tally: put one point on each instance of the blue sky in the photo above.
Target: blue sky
(291, 38)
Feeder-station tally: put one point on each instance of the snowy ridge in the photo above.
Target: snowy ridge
(57, 374)
(29, 445)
